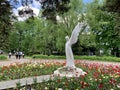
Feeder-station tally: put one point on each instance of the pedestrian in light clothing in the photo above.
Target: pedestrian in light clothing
(16, 54)
(10, 54)
(20, 54)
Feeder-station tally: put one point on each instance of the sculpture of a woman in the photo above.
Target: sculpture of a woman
(70, 70)
(69, 42)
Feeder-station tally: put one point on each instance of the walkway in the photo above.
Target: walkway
(24, 60)
(23, 81)
(14, 60)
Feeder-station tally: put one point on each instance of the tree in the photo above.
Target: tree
(21, 38)
(69, 20)
(33, 36)
(5, 23)
(113, 7)
(43, 36)
(26, 11)
(52, 8)
(103, 25)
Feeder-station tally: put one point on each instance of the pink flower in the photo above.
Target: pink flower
(112, 81)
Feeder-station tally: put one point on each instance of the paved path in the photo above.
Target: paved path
(14, 60)
(100, 62)
(24, 60)
(23, 81)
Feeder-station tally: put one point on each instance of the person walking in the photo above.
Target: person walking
(20, 54)
(23, 55)
(16, 54)
(10, 54)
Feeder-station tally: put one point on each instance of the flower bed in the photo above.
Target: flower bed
(17, 70)
(98, 77)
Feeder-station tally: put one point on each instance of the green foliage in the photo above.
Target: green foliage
(103, 26)
(5, 23)
(99, 58)
(67, 23)
(34, 36)
(3, 57)
(112, 6)
(39, 36)
(52, 8)
(96, 58)
(18, 85)
(47, 57)
(21, 38)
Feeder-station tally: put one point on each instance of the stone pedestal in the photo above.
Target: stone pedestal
(69, 72)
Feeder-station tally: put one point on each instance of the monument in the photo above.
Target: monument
(70, 70)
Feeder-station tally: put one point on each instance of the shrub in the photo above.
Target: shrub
(47, 57)
(3, 57)
(98, 58)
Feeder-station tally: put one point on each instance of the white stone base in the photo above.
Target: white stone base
(69, 72)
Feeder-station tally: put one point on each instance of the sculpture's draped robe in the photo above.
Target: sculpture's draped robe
(69, 55)
(70, 41)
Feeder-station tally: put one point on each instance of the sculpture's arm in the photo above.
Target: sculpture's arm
(75, 33)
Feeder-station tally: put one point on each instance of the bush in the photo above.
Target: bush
(3, 57)
(97, 58)
(40, 56)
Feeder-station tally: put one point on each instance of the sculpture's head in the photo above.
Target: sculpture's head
(67, 38)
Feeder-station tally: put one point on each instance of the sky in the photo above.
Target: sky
(87, 1)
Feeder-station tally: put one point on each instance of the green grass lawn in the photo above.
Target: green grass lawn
(97, 58)
(3, 57)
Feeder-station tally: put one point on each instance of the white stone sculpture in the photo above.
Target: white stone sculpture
(70, 70)
(69, 42)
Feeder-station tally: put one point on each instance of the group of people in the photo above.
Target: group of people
(17, 54)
